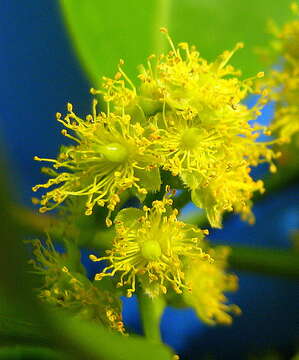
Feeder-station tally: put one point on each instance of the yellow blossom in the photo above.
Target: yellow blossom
(204, 130)
(111, 154)
(186, 117)
(150, 246)
(230, 191)
(115, 92)
(209, 282)
(285, 81)
(72, 290)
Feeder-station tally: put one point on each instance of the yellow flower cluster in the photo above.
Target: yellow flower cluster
(209, 282)
(285, 80)
(156, 251)
(186, 117)
(151, 245)
(72, 290)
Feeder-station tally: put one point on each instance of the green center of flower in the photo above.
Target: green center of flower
(151, 250)
(115, 152)
(190, 138)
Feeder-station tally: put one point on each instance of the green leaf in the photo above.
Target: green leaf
(103, 344)
(217, 25)
(175, 182)
(150, 180)
(83, 340)
(29, 352)
(105, 31)
(203, 199)
(102, 32)
(15, 282)
(191, 179)
(129, 216)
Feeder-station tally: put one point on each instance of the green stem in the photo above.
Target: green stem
(162, 20)
(30, 221)
(267, 261)
(151, 311)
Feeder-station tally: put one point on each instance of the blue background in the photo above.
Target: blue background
(39, 75)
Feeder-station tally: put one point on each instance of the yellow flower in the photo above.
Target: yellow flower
(285, 81)
(116, 93)
(151, 246)
(230, 191)
(204, 130)
(111, 154)
(72, 290)
(209, 282)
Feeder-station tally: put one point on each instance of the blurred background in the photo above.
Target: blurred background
(52, 53)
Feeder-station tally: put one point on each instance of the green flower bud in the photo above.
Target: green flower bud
(151, 250)
(115, 152)
(189, 138)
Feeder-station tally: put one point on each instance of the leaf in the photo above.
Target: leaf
(29, 352)
(16, 283)
(129, 216)
(102, 32)
(175, 182)
(103, 344)
(150, 180)
(105, 31)
(203, 199)
(84, 340)
(217, 25)
(191, 179)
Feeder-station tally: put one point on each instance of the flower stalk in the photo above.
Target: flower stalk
(151, 310)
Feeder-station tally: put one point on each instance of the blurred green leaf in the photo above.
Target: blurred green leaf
(105, 31)
(103, 344)
(216, 25)
(28, 352)
(16, 283)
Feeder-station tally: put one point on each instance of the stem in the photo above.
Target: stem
(163, 9)
(151, 311)
(275, 262)
(29, 220)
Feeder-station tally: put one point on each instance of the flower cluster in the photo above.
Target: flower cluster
(285, 80)
(156, 251)
(186, 117)
(72, 290)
